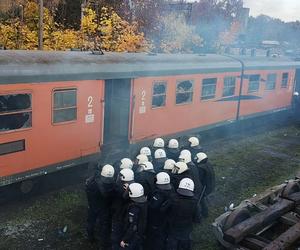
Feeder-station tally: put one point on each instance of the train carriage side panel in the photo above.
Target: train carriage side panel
(267, 99)
(50, 141)
(173, 118)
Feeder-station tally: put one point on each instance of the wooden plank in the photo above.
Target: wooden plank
(295, 197)
(285, 240)
(290, 218)
(236, 234)
(254, 243)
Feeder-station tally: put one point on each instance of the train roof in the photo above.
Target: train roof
(40, 66)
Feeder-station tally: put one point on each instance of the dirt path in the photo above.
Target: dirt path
(243, 168)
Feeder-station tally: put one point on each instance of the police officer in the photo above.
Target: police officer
(122, 164)
(135, 220)
(159, 204)
(207, 177)
(158, 143)
(185, 156)
(159, 159)
(194, 146)
(139, 159)
(168, 167)
(146, 151)
(100, 191)
(146, 177)
(179, 172)
(183, 209)
(173, 150)
(121, 200)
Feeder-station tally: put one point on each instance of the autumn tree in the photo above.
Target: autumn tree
(229, 36)
(114, 33)
(178, 36)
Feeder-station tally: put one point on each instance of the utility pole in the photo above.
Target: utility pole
(41, 24)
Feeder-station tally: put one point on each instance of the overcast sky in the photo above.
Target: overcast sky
(287, 10)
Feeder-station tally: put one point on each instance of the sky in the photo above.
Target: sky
(286, 10)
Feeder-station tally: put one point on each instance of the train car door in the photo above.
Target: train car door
(116, 112)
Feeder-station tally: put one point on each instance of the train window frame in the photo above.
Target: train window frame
(208, 97)
(191, 92)
(28, 110)
(165, 83)
(254, 82)
(56, 90)
(284, 81)
(232, 86)
(273, 81)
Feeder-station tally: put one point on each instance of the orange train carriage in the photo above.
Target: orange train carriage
(60, 109)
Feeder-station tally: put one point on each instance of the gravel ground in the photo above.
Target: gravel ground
(244, 167)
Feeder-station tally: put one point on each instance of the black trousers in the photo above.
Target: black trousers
(178, 244)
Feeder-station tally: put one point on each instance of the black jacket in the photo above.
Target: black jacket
(146, 178)
(183, 209)
(173, 153)
(135, 221)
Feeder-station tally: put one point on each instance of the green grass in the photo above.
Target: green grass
(243, 167)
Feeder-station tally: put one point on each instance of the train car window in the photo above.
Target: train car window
(159, 94)
(64, 105)
(285, 78)
(184, 92)
(271, 81)
(208, 88)
(253, 83)
(229, 86)
(15, 112)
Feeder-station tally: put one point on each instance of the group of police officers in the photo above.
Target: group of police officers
(153, 201)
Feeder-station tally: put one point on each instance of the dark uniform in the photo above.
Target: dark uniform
(195, 150)
(120, 203)
(146, 178)
(135, 222)
(100, 197)
(207, 178)
(182, 212)
(173, 153)
(158, 209)
(158, 164)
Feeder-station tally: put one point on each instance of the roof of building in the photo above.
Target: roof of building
(40, 66)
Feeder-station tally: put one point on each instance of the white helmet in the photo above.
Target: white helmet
(147, 166)
(186, 158)
(179, 168)
(107, 173)
(296, 93)
(159, 143)
(141, 158)
(169, 164)
(186, 187)
(173, 143)
(126, 163)
(185, 152)
(159, 153)
(136, 192)
(194, 141)
(126, 175)
(145, 151)
(163, 181)
(200, 156)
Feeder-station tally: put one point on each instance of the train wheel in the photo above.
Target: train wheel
(290, 188)
(236, 217)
